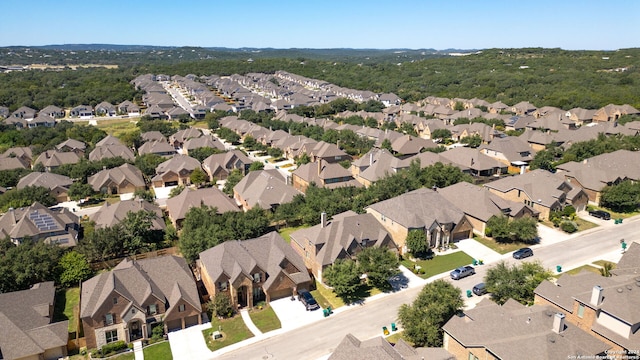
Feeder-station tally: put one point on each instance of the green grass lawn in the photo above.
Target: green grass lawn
(395, 336)
(602, 262)
(579, 269)
(65, 303)
(233, 330)
(326, 297)
(161, 351)
(117, 128)
(126, 356)
(440, 263)
(501, 248)
(584, 224)
(265, 319)
(286, 232)
(615, 215)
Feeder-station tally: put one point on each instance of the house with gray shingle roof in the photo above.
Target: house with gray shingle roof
(105, 109)
(124, 179)
(179, 138)
(509, 150)
(479, 204)
(380, 349)
(203, 141)
(152, 136)
(128, 108)
(58, 185)
(411, 145)
(594, 173)
(422, 209)
(323, 175)
(74, 145)
(249, 271)
(27, 330)
(477, 163)
(52, 159)
(608, 308)
(541, 190)
(218, 166)
(38, 222)
(158, 147)
(128, 302)
(266, 189)
(178, 206)
(514, 331)
(110, 147)
(111, 214)
(341, 238)
(81, 111)
(175, 171)
(375, 165)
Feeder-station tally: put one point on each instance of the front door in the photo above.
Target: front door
(135, 330)
(242, 296)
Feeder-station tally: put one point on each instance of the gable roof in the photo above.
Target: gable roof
(179, 205)
(40, 223)
(228, 161)
(44, 179)
(123, 173)
(596, 172)
(465, 157)
(111, 151)
(55, 158)
(178, 164)
(419, 209)
(139, 280)
(111, 214)
(513, 148)
(380, 349)
(309, 172)
(72, 144)
(409, 144)
(203, 141)
(156, 147)
(265, 189)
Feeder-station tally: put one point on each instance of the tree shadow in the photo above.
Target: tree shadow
(398, 282)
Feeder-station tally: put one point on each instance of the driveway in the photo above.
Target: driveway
(189, 343)
(478, 251)
(292, 313)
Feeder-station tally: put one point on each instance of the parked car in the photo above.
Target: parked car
(600, 214)
(462, 272)
(480, 289)
(522, 253)
(307, 300)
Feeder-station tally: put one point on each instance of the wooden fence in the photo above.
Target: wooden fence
(108, 264)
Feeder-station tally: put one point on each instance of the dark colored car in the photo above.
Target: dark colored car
(600, 214)
(462, 272)
(307, 299)
(522, 253)
(480, 289)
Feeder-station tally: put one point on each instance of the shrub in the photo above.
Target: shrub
(568, 227)
(220, 305)
(113, 347)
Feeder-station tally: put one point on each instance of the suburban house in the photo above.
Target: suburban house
(479, 204)
(514, 331)
(411, 145)
(37, 222)
(110, 147)
(608, 308)
(52, 159)
(594, 173)
(422, 209)
(128, 108)
(124, 179)
(73, 145)
(380, 348)
(81, 111)
(473, 162)
(127, 302)
(178, 139)
(158, 147)
(341, 238)
(27, 330)
(328, 152)
(613, 112)
(53, 111)
(249, 271)
(510, 150)
(203, 141)
(178, 206)
(541, 190)
(175, 171)
(111, 214)
(329, 175)
(105, 109)
(58, 185)
(24, 112)
(218, 166)
(375, 165)
(23, 153)
(152, 136)
(266, 189)
(12, 163)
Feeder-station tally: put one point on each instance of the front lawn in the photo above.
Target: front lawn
(327, 297)
(161, 351)
(266, 319)
(499, 247)
(66, 303)
(233, 330)
(439, 263)
(577, 270)
(614, 215)
(286, 232)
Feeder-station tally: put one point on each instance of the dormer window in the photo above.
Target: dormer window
(152, 309)
(108, 319)
(256, 277)
(115, 300)
(222, 285)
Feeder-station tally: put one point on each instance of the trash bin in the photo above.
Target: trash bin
(469, 294)
(385, 331)
(393, 327)
(558, 268)
(474, 262)
(480, 262)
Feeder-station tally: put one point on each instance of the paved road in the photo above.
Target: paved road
(318, 339)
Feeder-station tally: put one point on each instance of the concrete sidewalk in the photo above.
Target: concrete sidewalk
(247, 321)
(478, 251)
(137, 350)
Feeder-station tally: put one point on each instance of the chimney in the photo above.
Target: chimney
(370, 158)
(585, 161)
(323, 220)
(597, 295)
(558, 323)
(319, 166)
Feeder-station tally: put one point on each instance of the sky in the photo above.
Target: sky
(413, 24)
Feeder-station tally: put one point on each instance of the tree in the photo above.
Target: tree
(524, 229)
(148, 163)
(379, 264)
(198, 177)
(303, 159)
(472, 141)
(275, 152)
(543, 159)
(79, 190)
(417, 242)
(441, 134)
(145, 195)
(344, 277)
(437, 302)
(176, 191)
(606, 268)
(249, 142)
(256, 165)
(204, 152)
(232, 180)
(623, 197)
(27, 264)
(515, 282)
(386, 144)
(17, 198)
(75, 269)
(220, 305)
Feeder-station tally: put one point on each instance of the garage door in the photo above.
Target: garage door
(191, 320)
(174, 325)
(461, 235)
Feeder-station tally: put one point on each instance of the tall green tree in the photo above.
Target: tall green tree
(423, 319)
(623, 197)
(516, 281)
(75, 269)
(344, 277)
(417, 242)
(379, 264)
(233, 179)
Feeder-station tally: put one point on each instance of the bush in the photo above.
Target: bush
(113, 347)
(220, 305)
(569, 227)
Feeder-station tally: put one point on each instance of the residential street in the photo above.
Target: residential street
(319, 339)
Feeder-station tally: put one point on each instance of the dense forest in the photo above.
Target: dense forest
(545, 77)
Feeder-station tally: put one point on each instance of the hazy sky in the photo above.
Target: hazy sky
(439, 24)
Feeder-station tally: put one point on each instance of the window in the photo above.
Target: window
(181, 308)
(115, 300)
(472, 357)
(133, 311)
(222, 285)
(152, 309)
(108, 319)
(580, 311)
(111, 336)
(256, 277)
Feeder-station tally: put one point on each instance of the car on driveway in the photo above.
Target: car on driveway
(480, 289)
(600, 214)
(307, 300)
(462, 272)
(522, 253)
